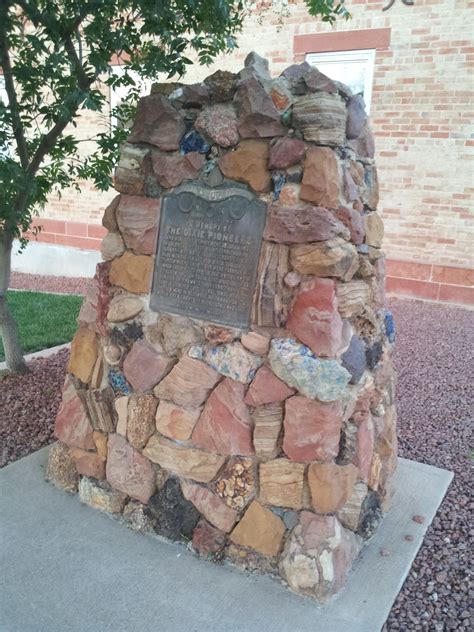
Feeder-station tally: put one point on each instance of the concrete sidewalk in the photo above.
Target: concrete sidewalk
(68, 568)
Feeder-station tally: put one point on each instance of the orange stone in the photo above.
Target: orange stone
(320, 182)
(330, 485)
(83, 354)
(88, 463)
(260, 530)
(249, 164)
(132, 272)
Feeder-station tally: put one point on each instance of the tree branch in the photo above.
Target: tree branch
(13, 105)
(83, 78)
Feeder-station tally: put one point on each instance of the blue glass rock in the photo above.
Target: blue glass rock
(373, 354)
(232, 360)
(296, 364)
(278, 182)
(389, 323)
(118, 383)
(354, 359)
(193, 141)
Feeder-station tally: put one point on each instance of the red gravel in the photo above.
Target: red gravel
(433, 359)
(28, 407)
(38, 283)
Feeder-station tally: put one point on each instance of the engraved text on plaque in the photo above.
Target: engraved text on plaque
(208, 251)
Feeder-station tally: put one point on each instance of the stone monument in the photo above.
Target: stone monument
(230, 383)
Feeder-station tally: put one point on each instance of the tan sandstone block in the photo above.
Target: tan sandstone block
(176, 422)
(132, 272)
(83, 357)
(188, 462)
(330, 485)
(281, 483)
(260, 530)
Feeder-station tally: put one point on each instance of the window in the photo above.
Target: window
(355, 68)
(119, 93)
(3, 92)
(5, 148)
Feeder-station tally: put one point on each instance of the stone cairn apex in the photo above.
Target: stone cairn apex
(270, 445)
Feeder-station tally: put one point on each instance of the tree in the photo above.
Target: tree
(55, 57)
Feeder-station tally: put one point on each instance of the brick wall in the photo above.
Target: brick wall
(421, 114)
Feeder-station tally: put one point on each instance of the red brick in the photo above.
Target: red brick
(456, 294)
(77, 229)
(413, 288)
(454, 276)
(51, 225)
(408, 270)
(96, 231)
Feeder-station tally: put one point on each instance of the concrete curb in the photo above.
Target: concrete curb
(45, 353)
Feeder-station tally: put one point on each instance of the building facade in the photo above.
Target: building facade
(413, 64)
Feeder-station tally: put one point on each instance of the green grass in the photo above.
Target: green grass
(44, 320)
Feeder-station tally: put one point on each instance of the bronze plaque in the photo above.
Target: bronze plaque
(208, 252)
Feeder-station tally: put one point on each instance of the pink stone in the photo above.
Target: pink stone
(356, 117)
(364, 145)
(72, 425)
(225, 425)
(88, 463)
(144, 367)
(312, 429)
(354, 222)
(219, 123)
(350, 189)
(258, 117)
(320, 183)
(138, 219)
(88, 312)
(318, 555)
(314, 318)
(290, 195)
(315, 81)
(96, 302)
(207, 540)
(189, 383)
(365, 448)
(301, 224)
(172, 169)
(129, 471)
(157, 123)
(176, 422)
(267, 388)
(103, 296)
(286, 152)
(210, 506)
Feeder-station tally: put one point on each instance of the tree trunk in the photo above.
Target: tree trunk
(8, 330)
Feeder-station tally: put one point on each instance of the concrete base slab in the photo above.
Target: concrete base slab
(52, 260)
(68, 567)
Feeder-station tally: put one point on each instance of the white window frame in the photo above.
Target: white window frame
(364, 56)
(4, 99)
(3, 92)
(118, 94)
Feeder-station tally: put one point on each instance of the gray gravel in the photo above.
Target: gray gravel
(435, 404)
(433, 357)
